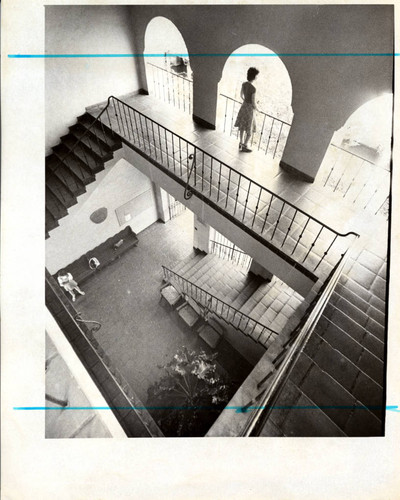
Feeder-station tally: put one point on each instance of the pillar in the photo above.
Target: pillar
(201, 237)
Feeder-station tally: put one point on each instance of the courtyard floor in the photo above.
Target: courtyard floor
(139, 332)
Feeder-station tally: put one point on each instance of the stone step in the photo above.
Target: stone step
(295, 416)
(79, 155)
(63, 173)
(252, 285)
(351, 349)
(257, 296)
(361, 334)
(60, 191)
(346, 373)
(183, 265)
(50, 221)
(101, 130)
(369, 309)
(54, 206)
(91, 141)
(337, 403)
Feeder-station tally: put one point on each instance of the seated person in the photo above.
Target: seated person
(66, 281)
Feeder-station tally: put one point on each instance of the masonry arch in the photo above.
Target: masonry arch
(357, 163)
(168, 72)
(274, 96)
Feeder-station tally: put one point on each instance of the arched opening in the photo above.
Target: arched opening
(357, 163)
(168, 72)
(274, 97)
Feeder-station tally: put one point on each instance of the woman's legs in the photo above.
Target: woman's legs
(241, 137)
(79, 290)
(72, 294)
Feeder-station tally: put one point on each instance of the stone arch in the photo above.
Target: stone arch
(274, 95)
(167, 63)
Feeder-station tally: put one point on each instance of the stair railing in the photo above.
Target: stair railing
(264, 402)
(211, 303)
(344, 174)
(272, 132)
(230, 253)
(171, 87)
(279, 224)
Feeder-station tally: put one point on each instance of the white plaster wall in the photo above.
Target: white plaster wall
(77, 234)
(72, 84)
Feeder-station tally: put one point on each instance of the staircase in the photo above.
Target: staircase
(74, 163)
(257, 308)
(341, 369)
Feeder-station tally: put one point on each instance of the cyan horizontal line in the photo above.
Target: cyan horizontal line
(323, 54)
(236, 408)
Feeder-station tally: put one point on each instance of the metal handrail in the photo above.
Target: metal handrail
(170, 72)
(241, 175)
(96, 324)
(261, 112)
(168, 274)
(227, 246)
(273, 391)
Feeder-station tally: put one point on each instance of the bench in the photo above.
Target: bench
(105, 253)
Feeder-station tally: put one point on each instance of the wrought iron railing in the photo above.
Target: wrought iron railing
(231, 253)
(271, 132)
(170, 87)
(262, 405)
(360, 181)
(287, 230)
(210, 303)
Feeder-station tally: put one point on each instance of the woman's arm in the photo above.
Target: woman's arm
(242, 92)
(253, 101)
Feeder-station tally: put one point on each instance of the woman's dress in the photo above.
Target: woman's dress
(245, 119)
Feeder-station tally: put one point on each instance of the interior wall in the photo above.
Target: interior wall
(72, 84)
(77, 234)
(326, 89)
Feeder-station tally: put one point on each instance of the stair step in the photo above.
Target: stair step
(298, 422)
(68, 178)
(333, 400)
(351, 349)
(54, 206)
(346, 373)
(50, 221)
(62, 193)
(253, 283)
(85, 158)
(101, 130)
(90, 139)
(78, 168)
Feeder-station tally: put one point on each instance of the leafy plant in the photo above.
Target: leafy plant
(190, 394)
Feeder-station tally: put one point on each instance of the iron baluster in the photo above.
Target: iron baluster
(269, 137)
(159, 141)
(202, 172)
(166, 146)
(313, 244)
(255, 212)
(137, 127)
(246, 201)
(228, 188)
(211, 173)
(219, 181)
(326, 252)
(180, 154)
(132, 127)
(301, 235)
(154, 139)
(278, 220)
(173, 151)
(266, 215)
(226, 114)
(277, 142)
(289, 228)
(262, 131)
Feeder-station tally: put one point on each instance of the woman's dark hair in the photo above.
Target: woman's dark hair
(251, 74)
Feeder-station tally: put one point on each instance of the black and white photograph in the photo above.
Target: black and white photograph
(209, 192)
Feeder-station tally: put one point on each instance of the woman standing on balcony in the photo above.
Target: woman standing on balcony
(245, 119)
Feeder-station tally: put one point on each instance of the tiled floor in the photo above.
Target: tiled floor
(139, 332)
